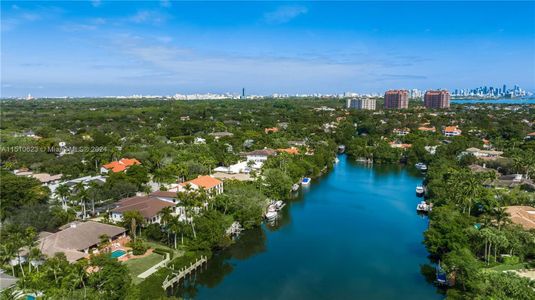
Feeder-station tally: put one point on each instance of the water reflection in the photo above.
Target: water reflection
(250, 243)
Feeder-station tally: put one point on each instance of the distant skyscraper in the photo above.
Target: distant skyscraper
(362, 103)
(397, 99)
(437, 99)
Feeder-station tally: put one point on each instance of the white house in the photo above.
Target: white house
(260, 156)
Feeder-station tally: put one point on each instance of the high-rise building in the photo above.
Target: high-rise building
(437, 99)
(361, 103)
(397, 99)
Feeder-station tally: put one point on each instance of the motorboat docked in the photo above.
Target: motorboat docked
(421, 166)
(424, 207)
(279, 204)
(295, 187)
(336, 160)
(420, 190)
(306, 181)
(341, 148)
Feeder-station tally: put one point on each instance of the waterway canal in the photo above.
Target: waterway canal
(353, 234)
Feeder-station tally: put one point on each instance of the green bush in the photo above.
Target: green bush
(511, 260)
(138, 247)
(163, 251)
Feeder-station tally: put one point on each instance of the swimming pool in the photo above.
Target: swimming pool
(117, 253)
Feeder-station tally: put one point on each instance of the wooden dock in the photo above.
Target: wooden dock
(183, 273)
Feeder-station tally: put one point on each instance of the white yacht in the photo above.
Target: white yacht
(420, 190)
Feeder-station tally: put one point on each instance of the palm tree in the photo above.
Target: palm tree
(530, 165)
(8, 251)
(174, 226)
(471, 190)
(56, 264)
(80, 276)
(37, 256)
(63, 191)
(166, 217)
(30, 241)
(94, 156)
(501, 216)
(132, 220)
(93, 192)
(189, 201)
(81, 195)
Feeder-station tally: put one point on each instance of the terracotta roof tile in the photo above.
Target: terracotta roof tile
(205, 182)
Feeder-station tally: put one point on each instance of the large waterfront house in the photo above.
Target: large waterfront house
(119, 166)
(210, 184)
(149, 207)
(77, 240)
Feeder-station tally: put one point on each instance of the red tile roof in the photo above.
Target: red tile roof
(121, 165)
(451, 129)
(206, 182)
(272, 129)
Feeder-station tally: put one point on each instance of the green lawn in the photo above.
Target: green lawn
(140, 265)
(177, 252)
(506, 267)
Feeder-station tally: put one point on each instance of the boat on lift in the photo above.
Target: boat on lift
(279, 205)
(306, 181)
(421, 166)
(423, 207)
(271, 215)
(295, 187)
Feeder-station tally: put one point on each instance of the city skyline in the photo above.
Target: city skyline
(99, 48)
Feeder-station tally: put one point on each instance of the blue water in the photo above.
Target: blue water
(497, 101)
(353, 234)
(117, 253)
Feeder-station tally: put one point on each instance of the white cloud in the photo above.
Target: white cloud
(284, 14)
(164, 39)
(147, 16)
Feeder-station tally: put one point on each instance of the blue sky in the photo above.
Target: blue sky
(95, 48)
